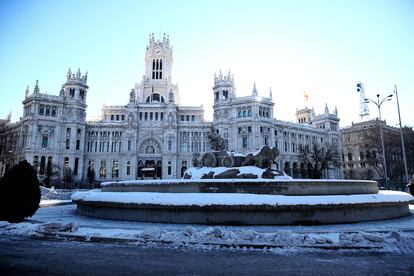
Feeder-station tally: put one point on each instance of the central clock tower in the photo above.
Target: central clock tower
(156, 85)
(158, 59)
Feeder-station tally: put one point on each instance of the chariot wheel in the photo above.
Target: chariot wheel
(208, 159)
(228, 162)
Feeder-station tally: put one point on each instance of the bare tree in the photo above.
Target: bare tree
(67, 178)
(318, 159)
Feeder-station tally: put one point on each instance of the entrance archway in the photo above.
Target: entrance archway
(149, 160)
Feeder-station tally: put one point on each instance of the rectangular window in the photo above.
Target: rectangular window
(244, 142)
(182, 117)
(41, 109)
(67, 144)
(75, 167)
(192, 118)
(129, 145)
(123, 117)
(45, 140)
(77, 144)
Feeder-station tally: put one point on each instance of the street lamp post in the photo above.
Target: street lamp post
(402, 137)
(378, 103)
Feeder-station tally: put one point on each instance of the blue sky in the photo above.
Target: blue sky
(322, 47)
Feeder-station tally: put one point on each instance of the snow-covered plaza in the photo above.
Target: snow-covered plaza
(60, 220)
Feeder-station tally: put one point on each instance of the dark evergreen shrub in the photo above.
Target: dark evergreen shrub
(19, 193)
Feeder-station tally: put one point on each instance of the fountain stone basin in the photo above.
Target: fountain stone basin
(243, 201)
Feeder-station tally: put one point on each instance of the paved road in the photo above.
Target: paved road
(24, 256)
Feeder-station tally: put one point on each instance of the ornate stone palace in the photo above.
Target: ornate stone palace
(153, 135)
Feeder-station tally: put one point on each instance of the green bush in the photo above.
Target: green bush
(19, 193)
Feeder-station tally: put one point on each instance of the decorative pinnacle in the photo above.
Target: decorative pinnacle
(254, 91)
(36, 88)
(77, 77)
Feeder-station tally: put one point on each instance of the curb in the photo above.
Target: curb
(139, 241)
(55, 204)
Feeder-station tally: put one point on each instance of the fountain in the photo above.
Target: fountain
(235, 189)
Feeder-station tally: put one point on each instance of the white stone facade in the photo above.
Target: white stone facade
(152, 135)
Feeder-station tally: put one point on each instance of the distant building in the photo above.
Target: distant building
(362, 153)
(153, 136)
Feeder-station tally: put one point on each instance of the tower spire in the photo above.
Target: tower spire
(27, 91)
(254, 91)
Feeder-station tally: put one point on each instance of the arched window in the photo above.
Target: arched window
(249, 113)
(115, 169)
(35, 162)
(128, 168)
(102, 169)
(169, 145)
(156, 98)
(42, 165)
(66, 163)
(240, 114)
(244, 113)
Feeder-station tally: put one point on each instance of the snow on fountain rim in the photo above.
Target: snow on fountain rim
(206, 199)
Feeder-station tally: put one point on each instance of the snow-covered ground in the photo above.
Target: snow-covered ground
(395, 235)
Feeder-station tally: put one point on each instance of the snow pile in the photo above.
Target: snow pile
(55, 194)
(227, 199)
(385, 241)
(379, 236)
(35, 229)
